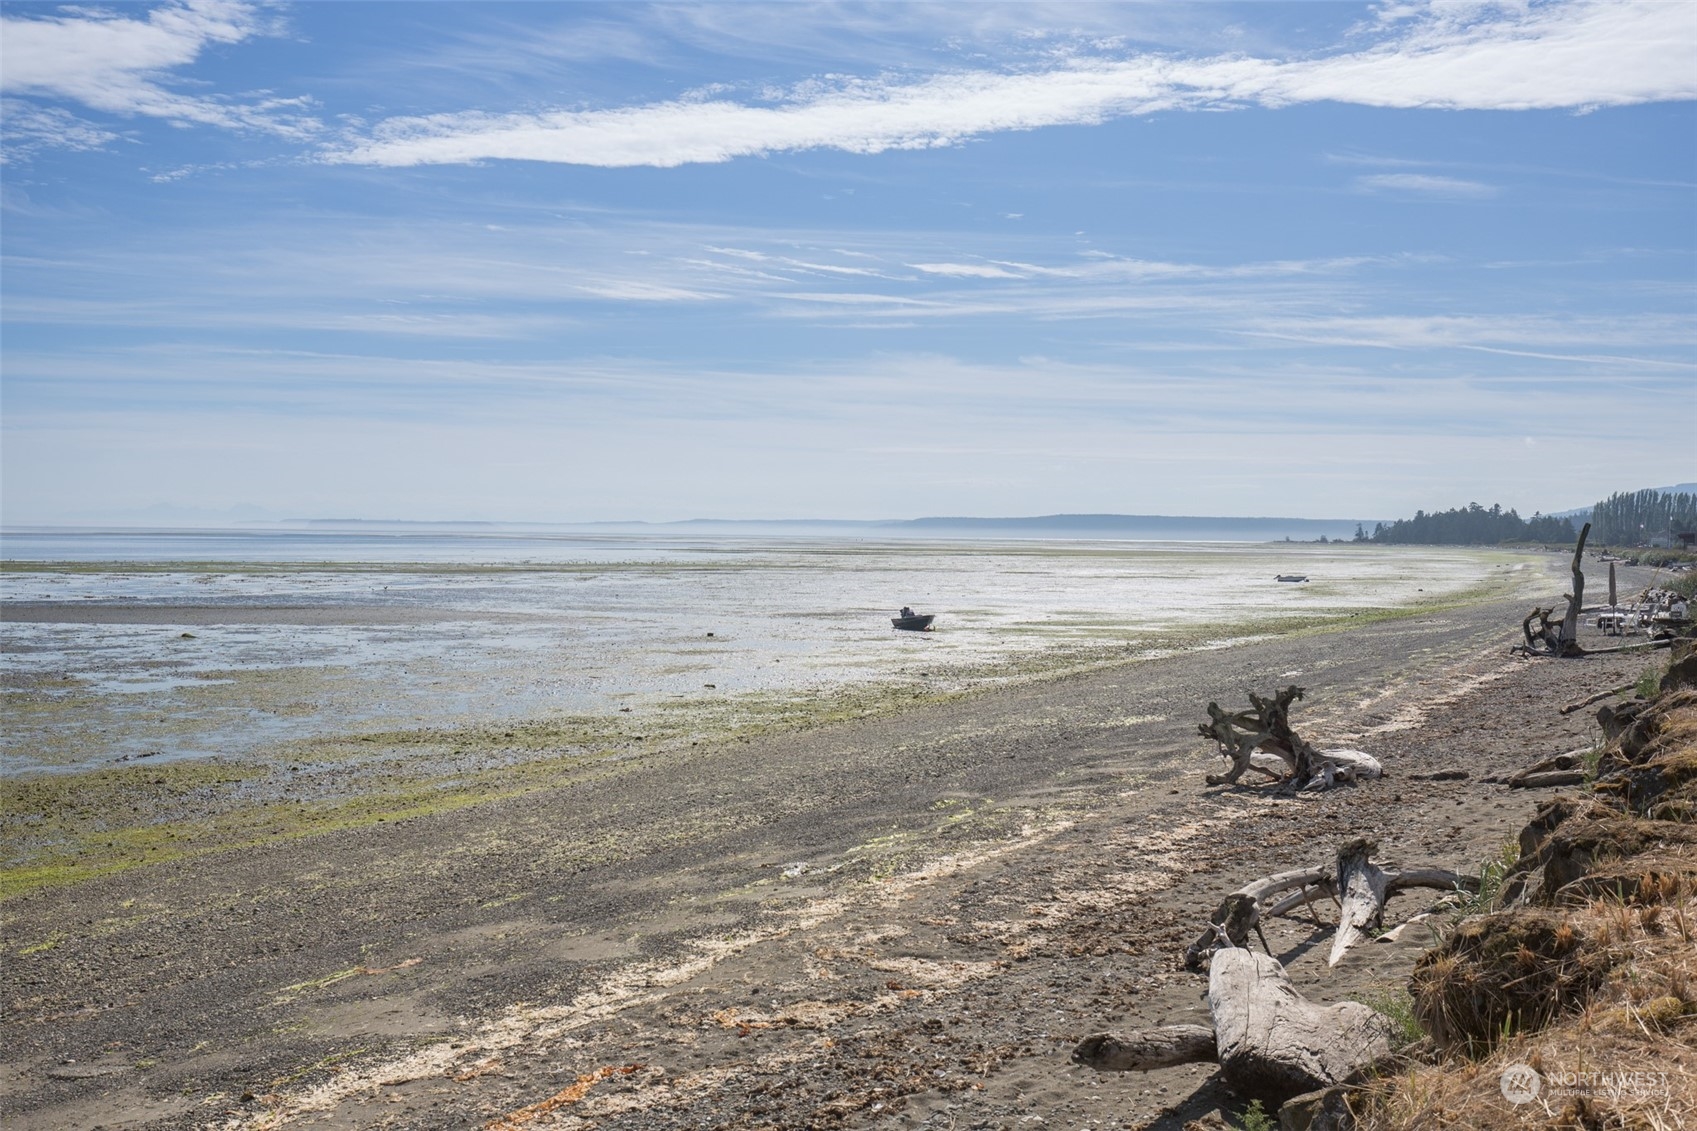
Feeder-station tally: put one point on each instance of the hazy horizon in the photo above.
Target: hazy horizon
(247, 515)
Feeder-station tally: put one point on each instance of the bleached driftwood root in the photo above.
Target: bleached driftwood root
(1330, 767)
(1271, 1042)
(1363, 886)
(1262, 739)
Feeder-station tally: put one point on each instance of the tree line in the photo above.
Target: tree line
(1634, 519)
(1623, 519)
(1472, 525)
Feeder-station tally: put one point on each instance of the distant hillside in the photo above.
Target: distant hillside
(1127, 527)
(1139, 527)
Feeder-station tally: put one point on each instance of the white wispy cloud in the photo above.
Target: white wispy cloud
(1514, 335)
(119, 64)
(1423, 184)
(968, 270)
(1025, 399)
(1577, 55)
(29, 128)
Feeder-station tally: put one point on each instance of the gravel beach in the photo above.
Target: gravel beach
(899, 921)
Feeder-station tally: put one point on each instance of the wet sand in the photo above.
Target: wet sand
(900, 921)
(171, 615)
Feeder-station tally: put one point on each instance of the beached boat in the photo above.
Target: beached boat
(1291, 577)
(914, 622)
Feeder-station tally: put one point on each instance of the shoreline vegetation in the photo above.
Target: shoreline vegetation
(62, 826)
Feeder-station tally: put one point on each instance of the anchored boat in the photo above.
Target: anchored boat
(911, 621)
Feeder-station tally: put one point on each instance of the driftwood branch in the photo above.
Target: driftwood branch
(1246, 908)
(1562, 769)
(1645, 646)
(1599, 697)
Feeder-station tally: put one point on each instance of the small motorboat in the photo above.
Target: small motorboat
(911, 621)
(1291, 577)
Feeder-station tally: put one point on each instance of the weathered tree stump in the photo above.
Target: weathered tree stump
(1364, 886)
(1562, 640)
(1569, 640)
(1271, 1042)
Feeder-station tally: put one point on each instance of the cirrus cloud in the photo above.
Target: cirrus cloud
(118, 64)
(1424, 184)
(1575, 56)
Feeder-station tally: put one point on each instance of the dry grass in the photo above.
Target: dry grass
(1596, 989)
(1624, 1057)
(1503, 973)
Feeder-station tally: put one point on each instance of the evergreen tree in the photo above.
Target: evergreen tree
(1635, 519)
(1474, 525)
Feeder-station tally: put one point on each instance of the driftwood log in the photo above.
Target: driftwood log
(1147, 1049)
(1359, 886)
(1262, 739)
(1562, 769)
(1547, 780)
(1271, 1042)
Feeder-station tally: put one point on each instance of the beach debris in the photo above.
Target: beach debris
(1271, 1043)
(1262, 739)
(1364, 887)
(563, 1098)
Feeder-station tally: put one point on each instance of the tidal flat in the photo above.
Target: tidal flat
(166, 707)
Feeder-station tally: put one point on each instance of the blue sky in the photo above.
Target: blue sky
(563, 262)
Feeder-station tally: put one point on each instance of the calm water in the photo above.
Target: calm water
(226, 643)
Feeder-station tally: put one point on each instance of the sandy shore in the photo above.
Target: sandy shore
(902, 921)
